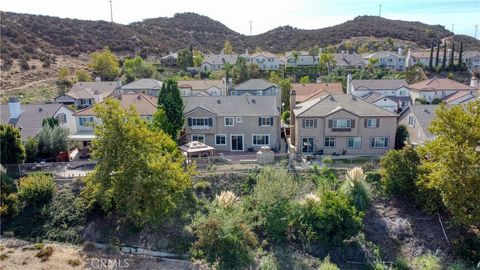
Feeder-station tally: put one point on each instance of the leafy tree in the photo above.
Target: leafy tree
(31, 149)
(327, 59)
(400, 171)
(63, 81)
(197, 58)
(430, 61)
(258, 49)
(253, 70)
(136, 68)
(444, 60)
(286, 117)
(305, 79)
(50, 121)
(401, 136)
(372, 62)
(331, 49)
(139, 173)
(437, 58)
(52, 141)
(10, 204)
(171, 102)
(216, 75)
(273, 77)
(227, 47)
(295, 55)
(104, 64)
(12, 149)
(82, 76)
(313, 52)
(159, 121)
(36, 189)
(452, 160)
(185, 59)
(285, 87)
(241, 70)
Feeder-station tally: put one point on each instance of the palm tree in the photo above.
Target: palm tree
(357, 189)
(372, 62)
(327, 59)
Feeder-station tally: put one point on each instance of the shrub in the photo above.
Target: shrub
(224, 237)
(327, 265)
(45, 253)
(329, 220)
(367, 167)
(373, 177)
(427, 262)
(9, 202)
(202, 186)
(36, 189)
(73, 262)
(400, 171)
(356, 189)
(268, 262)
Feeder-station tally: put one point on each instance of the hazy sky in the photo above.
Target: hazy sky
(265, 14)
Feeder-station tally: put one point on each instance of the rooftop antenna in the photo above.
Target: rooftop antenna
(380, 10)
(250, 28)
(111, 11)
(476, 28)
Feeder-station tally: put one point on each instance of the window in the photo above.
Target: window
(220, 139)
(308, 123)
(198, 138)
(354, 142)
(307, 145)
(379, 142)
(85, 101)
(411, 120)
(372, 122)
(200, 122)
(342, 123)
(329, 142)
(229, 122)
(238, 119)
(265, 121)
(62, 118)
(259, 93)
(263, 139)
(84, 121)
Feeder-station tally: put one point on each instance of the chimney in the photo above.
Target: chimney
(14, 107)
(293, 102)
(98, 79)
(349, 83)
(98, 96)
(474, 82)
(400, 51)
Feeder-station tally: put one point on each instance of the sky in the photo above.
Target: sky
(461, 16)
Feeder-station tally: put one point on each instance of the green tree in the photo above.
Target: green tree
(452, 160)
(12, 149)
(285, 87)
(258, 49)
(185, 59)
(328, 60)
(63, 81)
(452, 56)
(437, 58)
(50, 121)
(305, 79)
(331, 49)
(197, 58)
(159, 121)
(401, 136)
(36, 189)
(52, 141)
(400, 171)
(430, 61)
(136, 68)
(444, 60)
(139, 173)
(253, 70)
(171, 102)
(372, 62)
(460, 60)
(104, 64)
(10, 204)
(241, 70)
(273, 77)
(227, 47)
(31, 149)
(286, 117)
(83, 76)
(314, 52)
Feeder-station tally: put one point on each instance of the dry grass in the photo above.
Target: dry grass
(45, 253)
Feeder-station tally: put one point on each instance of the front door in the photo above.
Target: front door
(237, 142)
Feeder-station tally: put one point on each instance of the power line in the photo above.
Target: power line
(111, 11)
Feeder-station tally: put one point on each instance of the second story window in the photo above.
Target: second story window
(309, 123)
(265, 121)
(411, 120)
(229, 122)
(62, 118)
(85, 121)
(372, 122)
(342, 123)
(200, 122)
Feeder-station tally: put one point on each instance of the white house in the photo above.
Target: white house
(202, 88)
(389, 60)
(472, 60)
(301, 58)
(264, 60)
(214, 62)
(436, 88)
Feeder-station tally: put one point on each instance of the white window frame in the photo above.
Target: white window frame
(256, 144)
(198, 135)
(369, 122)
(265, 122)
(354, 146)
(85, 120)
(238, 119)
(313, 144)
(225, 121)
(195, 119)
(309, 123)
(325, 140)
(349, 123)
(373, 140)
(259, 93)
(243, 143)
(411, 120)
(61, 118)
(224, 136)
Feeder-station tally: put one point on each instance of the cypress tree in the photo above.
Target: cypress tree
(430, 63)
(452, 55)
(437, 59)
(460, 64)
(444, 61)
(170, 100)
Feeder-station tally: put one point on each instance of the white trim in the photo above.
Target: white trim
(376, 122)
(238, 121)
(334, 142)
(197, 134)
(215, 139)
(346, 142)
(225, 121)
(307, 120)
(266, 135)
(313, 146)
(243, 142)
(377, 137)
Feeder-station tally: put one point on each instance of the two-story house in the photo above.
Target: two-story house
(146, 86)
(214, 62)
(256, 87)
(341, 124)
(169, 60)
(423, 57)
(437, 88)
(86, 119)
(301, 58)
(84, 94)
(472, 60)
(388, 60)
(349, 60)
(202, 88)
(264, 60)
(306, 91)
(417, 119)
(392, 95)
(233, 123)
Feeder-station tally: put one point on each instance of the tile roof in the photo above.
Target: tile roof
(457, 95)
(321, 107)
(30, 120)
(436, 84)
(373, 85)
(200, 85)
(144, 104)
(87, 89)
(142, 84)
(255, 84)
(244, 105)
(305, 91)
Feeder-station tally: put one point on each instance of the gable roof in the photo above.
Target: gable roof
(200, 85)
(142, 84)
(144, 104)
(87, 89)
(254, 84)
(459, 94)
(220, 59)
(321, 107)
(437, 84)
(263, 53)
(348, 60)
(424, 114)
(244, 105)
(373, 85)
(382, 54)
(304, 91)
(30, 120)
(471, 54)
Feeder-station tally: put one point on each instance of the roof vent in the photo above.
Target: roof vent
(332, 98)
(139, 97)
(425, 110)
(354, 97)
(253, 101)
(218, 101)
(40, 110)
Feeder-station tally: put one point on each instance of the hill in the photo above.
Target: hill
(34, 36)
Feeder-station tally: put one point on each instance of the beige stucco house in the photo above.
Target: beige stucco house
(233, 123)
(341, 124)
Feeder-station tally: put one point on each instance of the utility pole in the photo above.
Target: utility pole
(380, 10)
(453, 26)
(476, 28)
(250, 28)
(111, 11)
